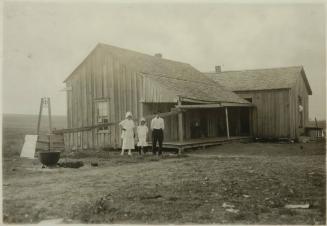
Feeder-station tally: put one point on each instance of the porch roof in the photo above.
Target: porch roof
(197, 106)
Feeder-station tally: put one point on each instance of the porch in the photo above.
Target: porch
(203, 124)
(201, 142)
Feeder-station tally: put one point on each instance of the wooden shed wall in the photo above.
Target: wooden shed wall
(101, 77)
(299, 90)
(271, 116)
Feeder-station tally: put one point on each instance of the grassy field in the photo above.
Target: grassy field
(234, 183)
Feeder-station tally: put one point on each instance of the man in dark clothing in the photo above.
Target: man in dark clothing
(157, 127)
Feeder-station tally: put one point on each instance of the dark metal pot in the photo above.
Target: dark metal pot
(49, 158)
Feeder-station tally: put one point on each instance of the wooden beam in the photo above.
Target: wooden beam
(49, 115)
(290, 108)
(180, 124)
(238, 105)
(86, 128)
(251, 121)
(50, 123)
(200, 106)
(196, 106)
(164, 114)
(39, 120)
(227, 124)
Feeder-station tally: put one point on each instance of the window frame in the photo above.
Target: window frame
(96, 106)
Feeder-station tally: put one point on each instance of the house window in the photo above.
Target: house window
(102, 114)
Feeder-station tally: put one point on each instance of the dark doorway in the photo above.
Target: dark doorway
(245, 121)
(195, 129)
(203, 123)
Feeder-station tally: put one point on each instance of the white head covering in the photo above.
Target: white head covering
(142, 119)
(128, 114)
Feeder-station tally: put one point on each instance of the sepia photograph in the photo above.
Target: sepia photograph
(163, 112)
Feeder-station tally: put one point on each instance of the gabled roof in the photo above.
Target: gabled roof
(200, 90)
(261, 79)
(181, 78)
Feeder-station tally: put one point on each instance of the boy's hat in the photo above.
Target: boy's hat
(142, 119)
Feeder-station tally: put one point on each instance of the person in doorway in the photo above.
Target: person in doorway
(157, 127)
(127, 127)
(142, 133)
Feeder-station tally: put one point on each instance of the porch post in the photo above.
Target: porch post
(227, 125)
(251, 121)
(180, 124)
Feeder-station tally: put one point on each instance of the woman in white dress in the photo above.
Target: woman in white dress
(127, 126)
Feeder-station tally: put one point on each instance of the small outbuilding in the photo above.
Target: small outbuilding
(280, 97)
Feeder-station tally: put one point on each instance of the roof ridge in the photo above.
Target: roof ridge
(256, 69)
(144, 54)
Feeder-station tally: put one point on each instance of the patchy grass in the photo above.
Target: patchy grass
(258, 188)
(257, 179)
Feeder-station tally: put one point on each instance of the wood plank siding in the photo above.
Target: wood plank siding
(101, 77)
(277, 111)
(276, 93)
(299, 90)
(271, 116)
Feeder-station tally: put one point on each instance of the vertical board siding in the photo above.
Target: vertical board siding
(299, 90)
(154, 92)
(92, 74)
(104, 76)
(292, 113)
(118, 99)
(111, 94)
(270, 118)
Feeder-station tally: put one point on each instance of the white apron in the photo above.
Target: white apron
(127, 134)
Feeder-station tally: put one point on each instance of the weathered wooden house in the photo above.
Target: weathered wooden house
(111, 81)
(280, 96)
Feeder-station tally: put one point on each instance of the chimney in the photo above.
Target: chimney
(159, 55)
(217, 69)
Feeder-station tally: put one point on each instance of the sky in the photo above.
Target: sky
(44, 42)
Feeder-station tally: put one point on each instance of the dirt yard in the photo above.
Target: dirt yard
(233, 183)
